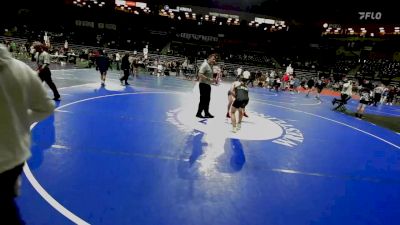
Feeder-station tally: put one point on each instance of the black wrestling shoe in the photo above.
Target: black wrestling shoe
(200, 116)
(209, 116)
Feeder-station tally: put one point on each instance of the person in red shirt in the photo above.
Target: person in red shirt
(285, 80)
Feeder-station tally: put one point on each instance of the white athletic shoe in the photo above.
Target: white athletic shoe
(234, 129)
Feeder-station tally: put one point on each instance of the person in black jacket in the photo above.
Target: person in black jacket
(125, 67)
(102, 63)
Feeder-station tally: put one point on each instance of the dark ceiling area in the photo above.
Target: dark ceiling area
(340, 11)
(295, 9)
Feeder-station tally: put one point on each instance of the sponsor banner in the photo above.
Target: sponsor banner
(184, 9)
(158, 32)
(91, 24)
(178, 9)
(80, 23)
(141, 5)
(264, 20)
(223, 15)
(197, 37)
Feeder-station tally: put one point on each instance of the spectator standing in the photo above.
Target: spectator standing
(23, 101)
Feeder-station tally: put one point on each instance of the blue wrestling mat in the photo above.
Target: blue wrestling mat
(138, 155)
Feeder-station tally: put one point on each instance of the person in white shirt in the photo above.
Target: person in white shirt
(160, 69)
(345, 95)
(23, 101)
(66, 46)
(364, 101)
(205, 79)
(239, 72)
(43, 63)
(117, 60)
